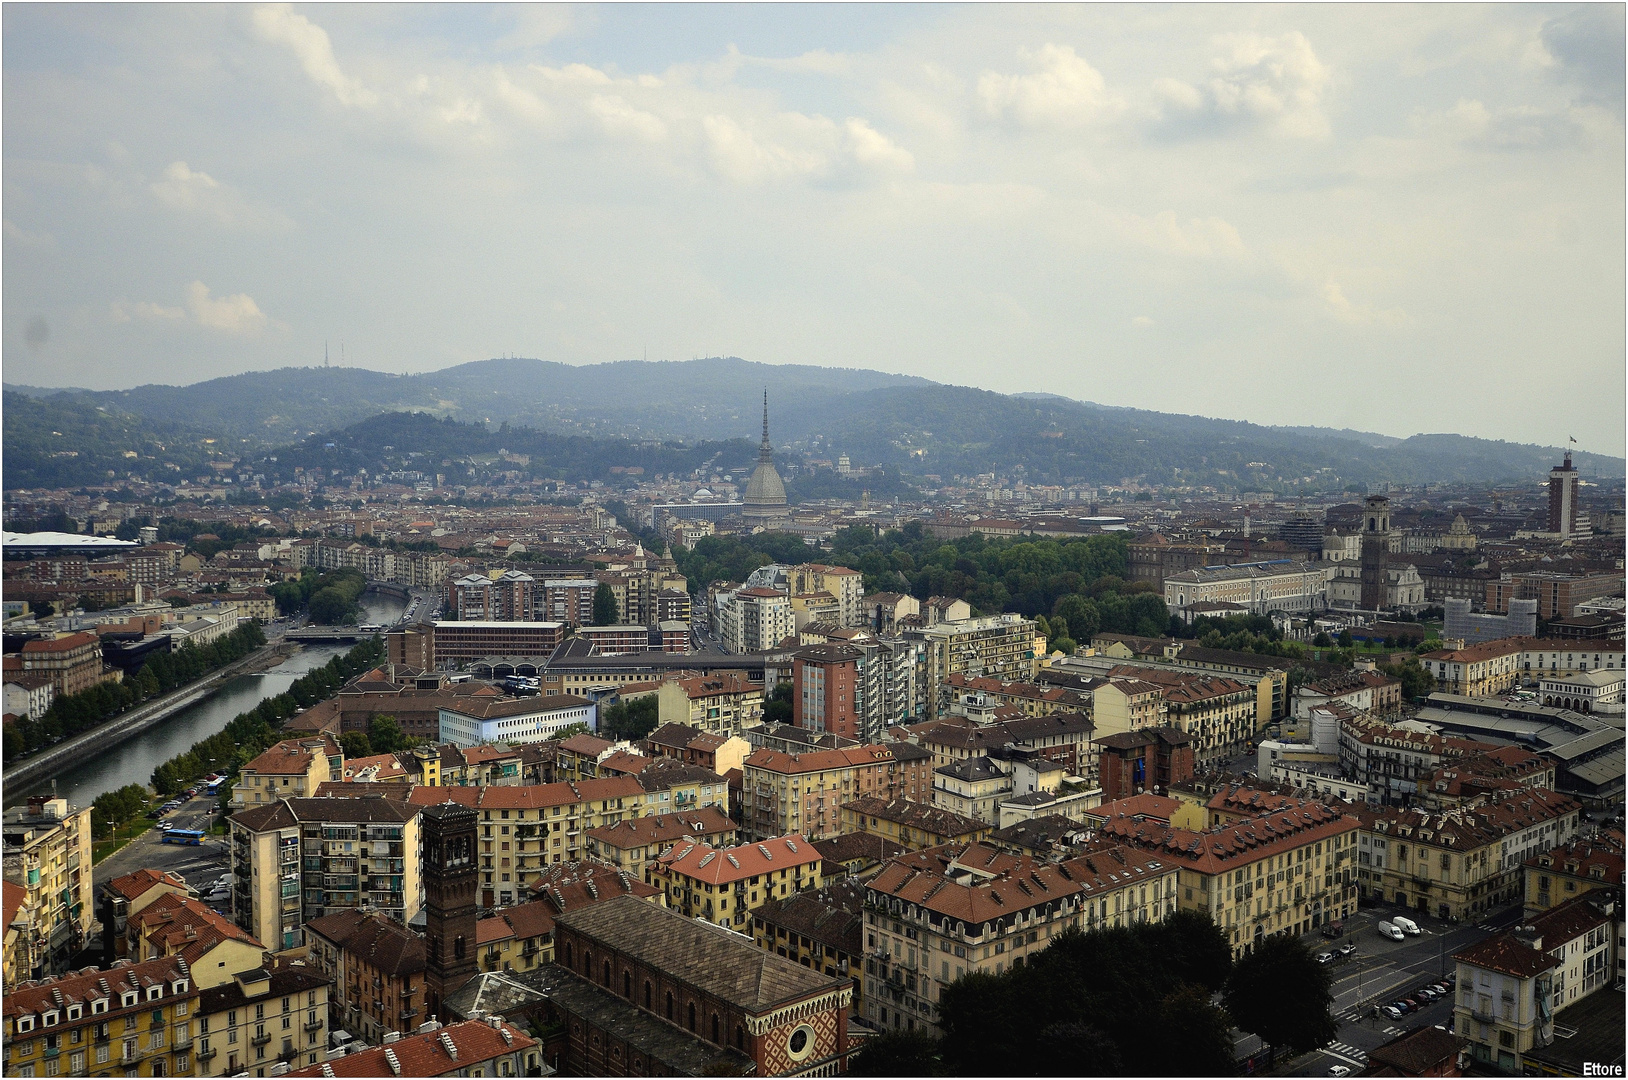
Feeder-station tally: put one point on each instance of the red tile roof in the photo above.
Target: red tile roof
(430, 1053)
(703, 862)
(133, 885)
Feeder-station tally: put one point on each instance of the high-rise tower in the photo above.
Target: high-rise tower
(450, 878)
(1376, 547)
(765, 501)
(1563, 498)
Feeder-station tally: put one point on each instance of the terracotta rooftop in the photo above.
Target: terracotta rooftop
(664, 828)
(703, 862)
(32, 998)
(134, 884)
(384, 944)
(449, 1051)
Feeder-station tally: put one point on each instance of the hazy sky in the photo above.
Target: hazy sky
(1398, 219)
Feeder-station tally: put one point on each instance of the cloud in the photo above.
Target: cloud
(282, 25)
(1210, 237)
(1337, 305)
(620, 118)
(1275, 83)
(1143, 322)
(1062, 90)
(1587, 43)
(870, 147)
(188, 190)
(237, 314)
(1470, 122)
(40, 241)
(740, 156)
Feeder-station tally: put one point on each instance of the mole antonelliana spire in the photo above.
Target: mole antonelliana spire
(765, 500)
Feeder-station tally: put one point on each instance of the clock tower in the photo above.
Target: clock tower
(450, 874)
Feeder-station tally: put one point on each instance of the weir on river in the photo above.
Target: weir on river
(133, 762)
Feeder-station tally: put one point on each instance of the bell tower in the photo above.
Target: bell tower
(1376, 547)
(450, 876)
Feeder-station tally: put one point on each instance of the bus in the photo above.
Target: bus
(184, 836)
(370, 628)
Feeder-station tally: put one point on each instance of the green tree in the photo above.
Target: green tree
(330, 606)
(1345, 639)
(777, 706)
(898, 1053)
(1281, 993)
(355, 744)
(42, 609)
(568, 731)
(1322, 640)
(385, 736)
(630, 719)
(1416, 681)
(605, 605)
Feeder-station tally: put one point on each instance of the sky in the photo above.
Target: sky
(1390, 218)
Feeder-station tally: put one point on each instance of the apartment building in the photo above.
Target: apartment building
(525, 829)
(1464, 862)
(822, 929)
(377, 969)
(1574, 869)
(934, 916)
(803, 793)
(725, 885)
(1484, 670)
(994, 646)
(174, 924)
(1126, 704)
(521, 938)
(912, 825)
(724, 703)
(1286, 872)
(47, 854)
(1511, 985)
(845, 586)
(73, 662)
(1396, 763)
(133, 1019)
(1219, 713)
(291, 769)
(261, 1019)
(1557, 594)
(301, 859)
(681, 741)
(826, 689)
(634, 843)
(967, 695)
(460, 642)
(514, 721)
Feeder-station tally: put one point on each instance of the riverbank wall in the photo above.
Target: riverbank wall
(126, 727)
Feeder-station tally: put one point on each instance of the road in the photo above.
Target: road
(200, 866)
(1382, 971)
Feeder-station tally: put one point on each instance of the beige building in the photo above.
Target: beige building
(291, 769)
(934, 916)
(845, 586)
(301, 859)
(994, 646)
(803, 793)
(177, 925)
(725, 703)
(1460, 863)
(1288, 871)
(725, 885)
(1127, 704)
(47, 855)
(1484, 670)
(634, 843)
(261, 1018)
(1572, 870)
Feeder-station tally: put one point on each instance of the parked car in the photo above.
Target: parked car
(1391, 1011)
(1413, 1003)
(1407, 925)
(1325, 958)
(1340, 1070)
(1426, 993)
(1348, 948)
(1392, 931)
(1441, 987)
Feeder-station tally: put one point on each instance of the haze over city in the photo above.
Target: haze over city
(1394, 219)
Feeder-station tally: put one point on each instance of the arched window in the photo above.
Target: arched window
(588, 964)
(669, 1004)
(627, 985)
(692, 1016)
(607, 973)
(715, 1028)
(647, 993)
(740, 1037)
(458, 947)
(568, 960)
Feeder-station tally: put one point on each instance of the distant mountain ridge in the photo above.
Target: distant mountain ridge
(913, 425)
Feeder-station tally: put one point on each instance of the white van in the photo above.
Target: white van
(1391, 930)
(1407, 925)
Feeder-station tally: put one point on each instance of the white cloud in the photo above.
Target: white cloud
(870, 147)
(1274, 82)
(1472, 123)
(620, 118)
(41, 241)
(1062, 90)
(1143, 322)
(1210, 237)
(189, 190)
(237, 314)
(282, 25)
(1342, 309)
(740, 156)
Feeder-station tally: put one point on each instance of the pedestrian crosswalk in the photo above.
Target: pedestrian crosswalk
(1393, 1031)
(1347, 1050)
(1485, 926)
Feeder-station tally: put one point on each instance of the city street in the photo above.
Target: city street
(200, 866)
(1382, 971)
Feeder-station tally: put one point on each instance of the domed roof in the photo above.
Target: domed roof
(765, 489)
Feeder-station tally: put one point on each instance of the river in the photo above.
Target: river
(133, 762)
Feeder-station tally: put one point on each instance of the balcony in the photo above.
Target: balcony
(313, 1025)
(261, 1039)
(52, 1051)
(408, 1014)
(206, 1053)
(1482, 1017)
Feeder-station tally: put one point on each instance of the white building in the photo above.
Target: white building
(1278, 585)
(526, 720)
(1586, 691)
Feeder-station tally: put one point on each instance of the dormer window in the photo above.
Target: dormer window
(98, 1005)
(128, 998)
(25, 1023)
(155, 992)
(50, 1018)
(75, 1011)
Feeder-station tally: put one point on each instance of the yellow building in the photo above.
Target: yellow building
(521, 938)
(634, 843)
(135, 1020)
(823, 929)
(1286, 872)
(1571, 870)
(47, 852)
(18, 920)
(1484, 670)
(290, 769)
(177, 925)
(1124, 704)
(262, 1017)
(1465, 862)
(725, 885)
(724, 703)
(912, 825)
